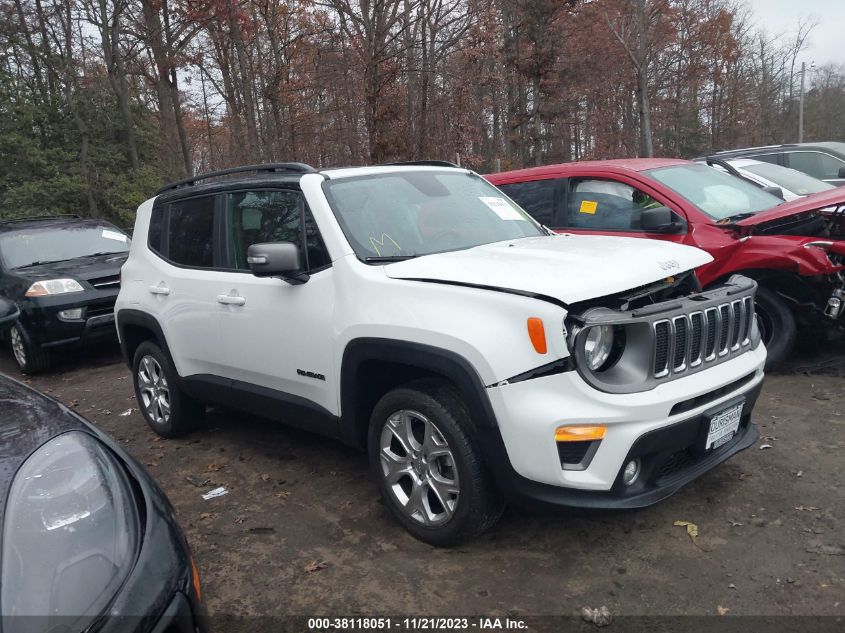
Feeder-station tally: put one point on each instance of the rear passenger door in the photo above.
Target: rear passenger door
(183, 281)
(277, 336)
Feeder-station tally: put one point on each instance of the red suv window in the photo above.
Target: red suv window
(605, 205)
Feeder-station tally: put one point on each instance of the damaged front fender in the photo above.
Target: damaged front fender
(807, 257)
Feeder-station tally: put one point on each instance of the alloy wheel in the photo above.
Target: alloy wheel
(18, 347)
(155, 393)
(419, 468)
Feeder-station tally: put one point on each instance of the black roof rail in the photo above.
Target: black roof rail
(30, 218)
(758, 148)
(733, 171)
(295, 168)
(430, 163)
(712, 160)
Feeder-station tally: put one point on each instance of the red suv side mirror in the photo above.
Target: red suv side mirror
(659, 220)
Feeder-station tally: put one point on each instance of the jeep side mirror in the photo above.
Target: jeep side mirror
(842, 172)
(775, 191)
(8, 314)
(658, 220)
(280, 259)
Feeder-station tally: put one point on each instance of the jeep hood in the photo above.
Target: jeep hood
(566, 267)
(813, 202)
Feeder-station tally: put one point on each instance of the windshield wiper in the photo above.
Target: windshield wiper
(738, 216)
(107, 253)
(388, 258)
(41, 263)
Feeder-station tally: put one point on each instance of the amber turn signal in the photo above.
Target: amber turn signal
(537, 334)
(579, 433)
(195, 576)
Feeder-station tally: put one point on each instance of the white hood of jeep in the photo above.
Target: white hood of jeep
(570, 268)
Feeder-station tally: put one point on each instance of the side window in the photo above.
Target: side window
(535, 196)
(156, 230)
(830, 166)
(767, 158)
(190, 235)
(255, 217)
(808, 162)
(605, 205)
(816, 164)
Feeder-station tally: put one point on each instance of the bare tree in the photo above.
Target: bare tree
(637, 31)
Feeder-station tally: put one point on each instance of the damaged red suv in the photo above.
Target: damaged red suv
(795, 250)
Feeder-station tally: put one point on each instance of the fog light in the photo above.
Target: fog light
(70, 315)
(631, 472)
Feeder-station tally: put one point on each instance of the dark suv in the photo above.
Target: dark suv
(64, 275)
(825, 161)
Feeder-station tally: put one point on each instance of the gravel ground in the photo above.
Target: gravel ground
(302, 531)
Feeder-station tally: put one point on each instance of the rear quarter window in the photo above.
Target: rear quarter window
(156, 230)
(190, 234)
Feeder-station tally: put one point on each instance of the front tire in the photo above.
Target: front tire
(168, 410)
(777, 327)
(427, 466)
(29, 356)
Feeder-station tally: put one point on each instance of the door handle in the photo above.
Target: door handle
(161, 289)
(231, 300)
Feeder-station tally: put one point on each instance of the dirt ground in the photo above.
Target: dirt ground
(770, 521)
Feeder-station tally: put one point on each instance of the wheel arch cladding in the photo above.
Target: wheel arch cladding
(371, 367)
(135, 327)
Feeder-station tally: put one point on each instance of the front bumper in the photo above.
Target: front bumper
(661, 426)
(40, 317)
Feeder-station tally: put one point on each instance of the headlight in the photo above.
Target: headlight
(70, 536)
(597, 346)
(53, 287)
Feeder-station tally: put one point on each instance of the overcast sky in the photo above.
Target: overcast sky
(826, 40)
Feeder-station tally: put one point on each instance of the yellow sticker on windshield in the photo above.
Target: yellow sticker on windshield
(589, 206)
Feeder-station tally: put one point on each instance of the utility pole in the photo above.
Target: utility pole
(801, 105)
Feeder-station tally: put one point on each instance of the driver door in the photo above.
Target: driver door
(610, 207)
(277, 336)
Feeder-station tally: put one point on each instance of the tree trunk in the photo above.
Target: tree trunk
(646, 145)
(253, 149)
(176, 166)
(110, 33)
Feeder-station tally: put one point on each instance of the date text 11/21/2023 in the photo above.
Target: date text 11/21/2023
(421, 623)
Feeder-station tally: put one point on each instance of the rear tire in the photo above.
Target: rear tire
(167, 409)
(29, 356)
(427, 465)
(777, 327)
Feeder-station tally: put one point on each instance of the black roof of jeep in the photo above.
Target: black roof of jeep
(270, 173)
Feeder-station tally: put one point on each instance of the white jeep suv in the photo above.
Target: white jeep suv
(417, 311)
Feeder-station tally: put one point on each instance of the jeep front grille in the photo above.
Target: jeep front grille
(670, 339)
(702, 337)
(661, 348)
